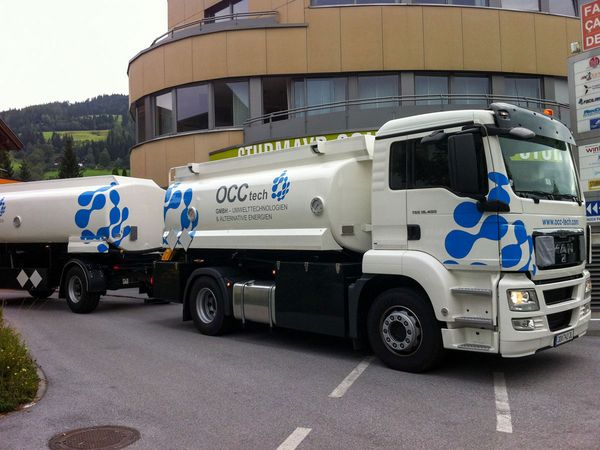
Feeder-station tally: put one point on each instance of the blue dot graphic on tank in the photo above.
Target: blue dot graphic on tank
(2, 206)
(176, 198)
(172, 198)
(96, 200)
(460, 243)
(281, 186)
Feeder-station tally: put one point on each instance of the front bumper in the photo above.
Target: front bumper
(552, 319)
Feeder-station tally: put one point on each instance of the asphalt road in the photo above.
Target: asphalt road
(140, 366)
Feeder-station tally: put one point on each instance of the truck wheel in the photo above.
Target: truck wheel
(40, 293)
(403, 331)
(207, 307)
(80, 301)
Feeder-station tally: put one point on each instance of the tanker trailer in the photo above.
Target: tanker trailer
(432, 236)
(80, 235)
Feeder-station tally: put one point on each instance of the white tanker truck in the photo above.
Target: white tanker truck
(461, 230)
(81, 235)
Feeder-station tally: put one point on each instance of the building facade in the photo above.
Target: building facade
(237, 77)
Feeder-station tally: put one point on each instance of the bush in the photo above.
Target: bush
(18, 375)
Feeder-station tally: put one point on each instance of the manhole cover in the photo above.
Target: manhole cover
(95, 438)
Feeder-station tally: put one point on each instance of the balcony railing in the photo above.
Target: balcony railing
(198, 25)
(453, 101)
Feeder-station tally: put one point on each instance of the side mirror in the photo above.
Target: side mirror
(462, 159)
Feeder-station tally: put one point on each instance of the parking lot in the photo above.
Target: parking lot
(140, 366)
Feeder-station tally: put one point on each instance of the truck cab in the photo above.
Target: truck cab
(483, 209)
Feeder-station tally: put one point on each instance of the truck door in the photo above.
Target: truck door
(447, 180)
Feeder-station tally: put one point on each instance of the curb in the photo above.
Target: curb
(41, 391)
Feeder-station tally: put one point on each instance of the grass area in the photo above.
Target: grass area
(80, 135)
(18, 375)
(52, 174)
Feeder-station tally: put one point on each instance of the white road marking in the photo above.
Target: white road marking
(503, 418)
(595, 320)
(351, 378)
(294, 439)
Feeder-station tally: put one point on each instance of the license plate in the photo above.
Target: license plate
(563, 337)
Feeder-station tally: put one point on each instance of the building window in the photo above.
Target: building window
(431, 85)
(192, 108)
(523, 88)
(564, 7)
(378, 86)
(275, 96)
(320, 91)
(223, 10)
(232, 104)
(524, 5)
(473, 90)
(469, 2)
(561, 91)
(140, 120)
(164, 114)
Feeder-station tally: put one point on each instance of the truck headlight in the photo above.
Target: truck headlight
(523, 300)
(588, 288)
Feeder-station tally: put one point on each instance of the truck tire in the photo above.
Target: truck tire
(403, 330)
(41, 294)
(80, 301)
(207, 307)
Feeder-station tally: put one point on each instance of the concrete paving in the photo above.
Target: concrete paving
(139, 365)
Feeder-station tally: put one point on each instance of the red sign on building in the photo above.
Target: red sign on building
(590, 24)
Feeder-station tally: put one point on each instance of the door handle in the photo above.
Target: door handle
(414, 232)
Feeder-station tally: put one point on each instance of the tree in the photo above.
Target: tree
(24, 172)
(68, 164)
(104, 159)
(90, 160)
(124, 173)
(6, 164)
(115, 171)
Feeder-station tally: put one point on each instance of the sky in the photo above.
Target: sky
(72, 50)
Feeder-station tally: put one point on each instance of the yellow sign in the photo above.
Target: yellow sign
(283, 144)
(593, 185)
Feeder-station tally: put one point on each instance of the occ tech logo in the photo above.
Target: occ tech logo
(243, 192)
(281, 186)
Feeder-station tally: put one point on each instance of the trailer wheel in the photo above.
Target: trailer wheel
(403, 331)
(40, 294)
(207, 307)
(80, 301)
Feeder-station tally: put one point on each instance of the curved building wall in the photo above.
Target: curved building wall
(304, 41)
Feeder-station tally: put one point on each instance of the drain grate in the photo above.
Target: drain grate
(95, 438)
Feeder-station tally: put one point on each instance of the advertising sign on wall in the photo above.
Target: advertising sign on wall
(589, 166)
(283, 144)
(587, 93)
(590, 25)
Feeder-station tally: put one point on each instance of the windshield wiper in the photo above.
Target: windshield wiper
(571, 197)
(536, 195)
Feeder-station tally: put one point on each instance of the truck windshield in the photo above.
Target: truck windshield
(540, 168)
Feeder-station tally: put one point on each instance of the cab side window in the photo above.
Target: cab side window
(414, 165)
(398, 166)
(430, 165)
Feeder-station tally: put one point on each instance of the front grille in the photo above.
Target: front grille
(559, 320)
(554, 296)
(569, 249)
